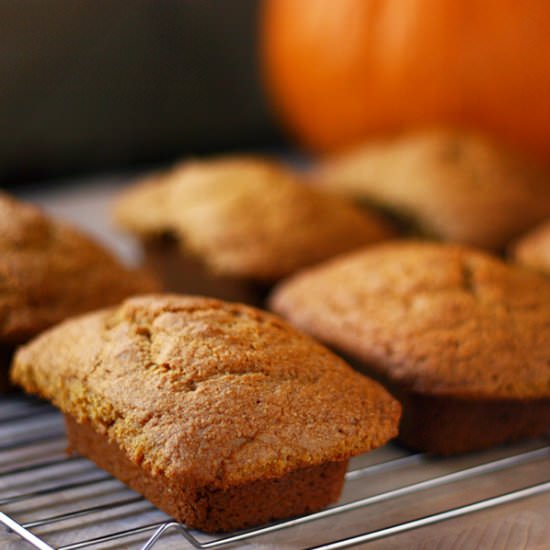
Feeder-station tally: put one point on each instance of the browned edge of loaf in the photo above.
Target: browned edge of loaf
(187, 274)
(213, 510)
(447, 425)
(6, 353)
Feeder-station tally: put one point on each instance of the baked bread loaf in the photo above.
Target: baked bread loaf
(533, 250)
(447, 184)
(220, 414)
(230, 227)
(459, 337)
(50, 271)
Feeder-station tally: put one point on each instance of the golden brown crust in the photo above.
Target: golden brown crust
(50, 271)
(454, 185)
(533, 250)
(247, 217)
(207, 393)
(435, 319)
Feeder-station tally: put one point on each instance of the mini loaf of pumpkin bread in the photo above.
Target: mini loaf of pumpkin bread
(50, 271)
(533, 250)
(448, 184)
(459, 337)
(220, 414)
(231, 227)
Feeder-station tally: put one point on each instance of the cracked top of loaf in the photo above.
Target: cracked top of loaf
(50, 271)
(454, 185)
(207, 392)
(433, 318)
(247, 217)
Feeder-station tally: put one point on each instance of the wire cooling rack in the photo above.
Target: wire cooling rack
(55, 501)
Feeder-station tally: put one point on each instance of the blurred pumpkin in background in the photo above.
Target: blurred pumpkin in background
(341, 71)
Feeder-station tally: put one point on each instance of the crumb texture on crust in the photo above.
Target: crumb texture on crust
(533, 250)
(454, 185)
(247, 217)
(50, 271)
(207, 392)
(431, 318)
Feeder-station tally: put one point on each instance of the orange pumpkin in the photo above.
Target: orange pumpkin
(340, 71)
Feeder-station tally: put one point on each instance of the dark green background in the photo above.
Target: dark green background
(95, 85)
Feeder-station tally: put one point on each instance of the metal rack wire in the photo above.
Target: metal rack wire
(35, 472)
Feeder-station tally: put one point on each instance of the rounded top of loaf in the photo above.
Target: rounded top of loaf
(207, 392)
(533, 249)
(50, 271)
(452, 184)
(432, 318)
(247, 217)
